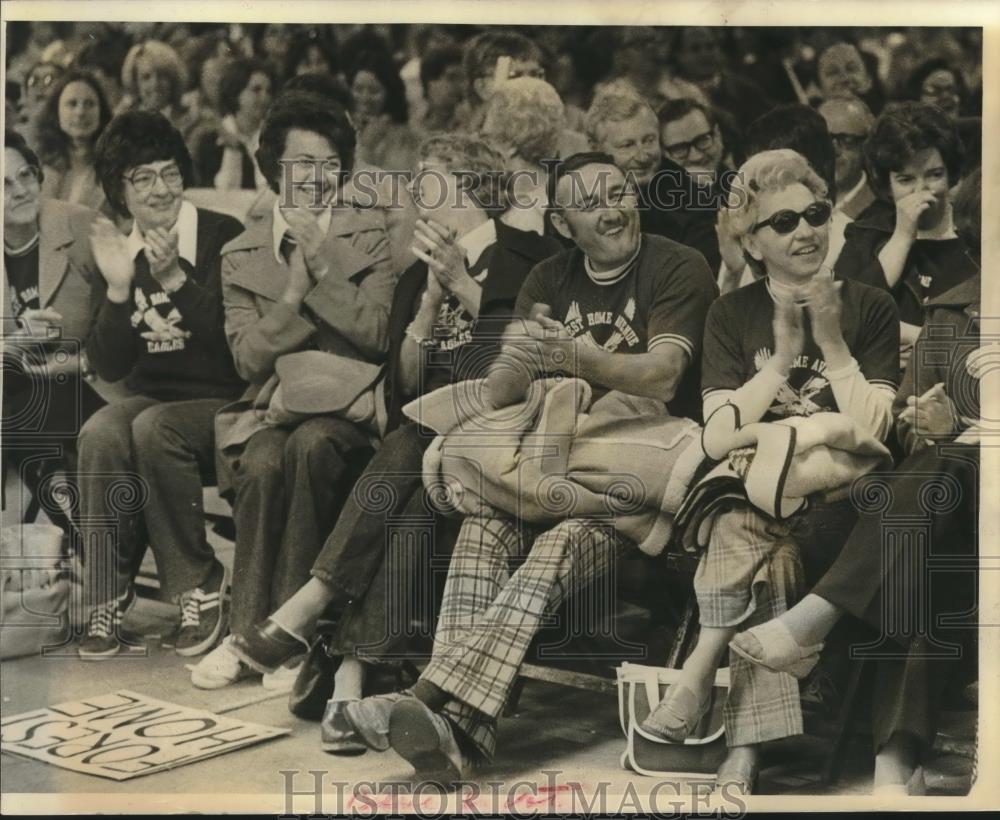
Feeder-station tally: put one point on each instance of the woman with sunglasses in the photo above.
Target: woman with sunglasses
(907, 244)
(793, 343)
(879, 581)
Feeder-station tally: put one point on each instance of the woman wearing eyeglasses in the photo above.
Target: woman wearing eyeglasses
(907, 244)
(48, 272)
(36, 87)
(793, 343)
(159, 330)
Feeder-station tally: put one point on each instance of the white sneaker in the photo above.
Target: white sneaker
(220, 668)
(283, 678)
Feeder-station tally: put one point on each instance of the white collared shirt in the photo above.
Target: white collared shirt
(186, 228)
(478, 240)
(280, 228)
(843, 200)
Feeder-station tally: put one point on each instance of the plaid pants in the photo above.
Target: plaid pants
(489, 615)
(750, 574)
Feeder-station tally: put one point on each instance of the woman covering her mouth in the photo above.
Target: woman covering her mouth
(906, 243)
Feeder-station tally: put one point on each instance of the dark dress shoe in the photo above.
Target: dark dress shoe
(267, 646)
(336, 735)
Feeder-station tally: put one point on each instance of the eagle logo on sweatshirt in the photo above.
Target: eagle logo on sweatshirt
(159, 327)
(798, 395)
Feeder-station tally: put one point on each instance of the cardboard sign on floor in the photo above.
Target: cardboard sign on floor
(124, 735)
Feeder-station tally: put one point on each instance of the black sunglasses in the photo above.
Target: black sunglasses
(786, 221)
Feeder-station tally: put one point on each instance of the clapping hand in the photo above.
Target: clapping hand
(445, 258)
(823, 302)
(162, 253)
(305, 230)
(113, 260)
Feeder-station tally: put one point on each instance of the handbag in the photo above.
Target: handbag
(640, 689)
(313, 685)
(35, 590)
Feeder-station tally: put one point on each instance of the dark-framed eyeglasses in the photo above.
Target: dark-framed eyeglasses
(681, 150)
(144, 179)
(785, 221)
(851, 142)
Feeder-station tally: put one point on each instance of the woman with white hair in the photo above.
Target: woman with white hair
(525, 119)
(763, 357)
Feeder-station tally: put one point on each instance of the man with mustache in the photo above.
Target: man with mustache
(622, 310)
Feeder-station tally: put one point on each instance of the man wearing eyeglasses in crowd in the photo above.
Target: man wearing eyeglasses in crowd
(692, 179)
(850, 122)
(159, 330)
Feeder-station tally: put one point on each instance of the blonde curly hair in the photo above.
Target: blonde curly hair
(767, 171)
(527, 114)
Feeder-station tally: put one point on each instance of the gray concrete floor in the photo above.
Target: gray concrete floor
(573, 732)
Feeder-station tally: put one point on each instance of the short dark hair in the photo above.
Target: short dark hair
(309, 112)
(800, 128)
(572, 163)
(13, 140)
(673, 110)
(135, 138)
(436, 62)
(326, 85)
(299, 47)
(53, 144)
(902, 130)
(482, 52)
(235, 77)
(915, 82)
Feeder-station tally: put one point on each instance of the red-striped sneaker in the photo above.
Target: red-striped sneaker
(103, 638)
(203, 616)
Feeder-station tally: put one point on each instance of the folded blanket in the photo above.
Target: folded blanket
(556, 455)
(776, 466)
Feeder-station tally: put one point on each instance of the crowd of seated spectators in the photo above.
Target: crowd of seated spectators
(296, 258)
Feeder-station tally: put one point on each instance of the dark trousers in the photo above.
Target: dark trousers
(387, 556)
(41, 420)
(908, 570)
(289, 486)
(142, 463)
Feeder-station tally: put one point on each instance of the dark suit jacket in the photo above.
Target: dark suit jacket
(516, 253)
